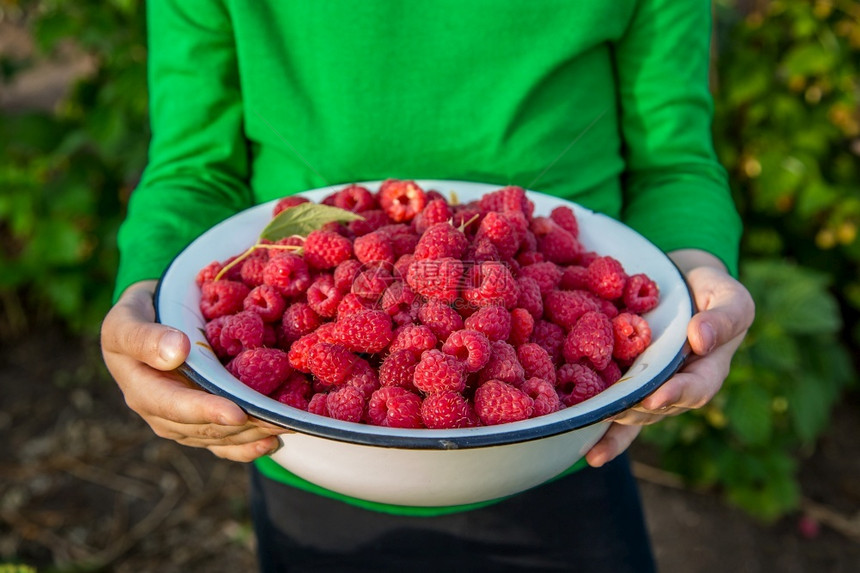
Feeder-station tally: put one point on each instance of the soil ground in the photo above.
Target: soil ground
(85, 485)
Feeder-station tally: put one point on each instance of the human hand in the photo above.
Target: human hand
(725, 313)
(142, 357)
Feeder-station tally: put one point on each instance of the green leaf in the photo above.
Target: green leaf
(808, 408)
(809, 59)
(303, 218)
(749, 414)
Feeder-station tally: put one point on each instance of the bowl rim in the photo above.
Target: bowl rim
(428, 439)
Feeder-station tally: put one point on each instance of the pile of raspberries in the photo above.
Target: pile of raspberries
(428, 314)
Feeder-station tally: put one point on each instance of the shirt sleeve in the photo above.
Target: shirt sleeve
(676, 192)
(197, 173)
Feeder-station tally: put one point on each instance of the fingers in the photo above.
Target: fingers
(726, 309)
(247, 452)
(616, 439)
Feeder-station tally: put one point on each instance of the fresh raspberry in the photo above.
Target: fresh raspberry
(550, 337)
(607, 307)
(374, 247)
(368, 331)
(395, 407)
(500, 403)
(591, 338)
(440, 318)
(522, 324)
(446, 410)
(491, 283)
(354, 198)
(414, 337)
(574, 277)
(298, 320)
(640, 294)
(365, 378)
(437, 372)
(606, 278)
(251, 271)
(241, 331)
(510, 198)
(498, 230)
(222, 297)
(530, 296)
(611, 374)
(261, 369)
(298, 351)
(208, 273)
(266, 301)
(345, 274)
(346, 403)
(373, 220)
(403, 239)
(577, 382)
(270, 335)
(317, 404)
(547, 275)
(565, 307)
(212, 332)
(482, 250)
(565, 218)
(401, 266)
(529, 242)
(326, 249)
(287, 202)
(401, 200)
(330, 363)
(295, 391)
(371, 283)
(350, 304)
(436, 278)
(543, 395)
(631, 334)
(542, 226)
(323, 297)
(288, 273)
(325, 332)
(398, 369)
(400, 303)
(436, 211)
(536, 362)
(560, 247)
(493, 321)
(503, 365)
(529, 258)
(470, 347)
(441, 241)
(467, 218)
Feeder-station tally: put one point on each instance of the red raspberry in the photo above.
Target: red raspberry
(374, 247)
(368, 331)
(401, 266)
(536, 362)
(470, 347)
(266, 301)
(261, 369)
(350, 304)
(440, 318)
(611, 374)
(565, 218)
(493, 321)
(325, 332)
(437, 372)
(543, 395)
(212, 332)
(398, 369)
(550, 337)
(510, 198)
(503, 365)
(530, 296)
(295, 391)
(241, 331)
(467, 218)
(441, 241)
(400, 303)
(208, 273)
(365, 378)
(574, 278)
(323, 297)
(437, 278)
(522, 324)
(631, 334)
(373, 220)
(482, 250)
(326, 249)
(251, 269)
(330, 363)
(606, 278)
(287, 202)
(500, 403)
(371, 283)
(591, 338)
(416, 338)
(298, 320)
(436, 211)
(222, 297)
(345, 274)
(576, 383)
(298, 352)
(640, 294)
(403, 239)
(446, 410)
(564, 307)
(491, 283)
(354, 198)
(547, 275)
(317, 404)
(395, 407)
(559, 246)
(288, 273)
(401, 200)
(498, 230)
(346, 403)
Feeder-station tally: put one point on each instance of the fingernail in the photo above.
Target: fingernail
(709, 337)
(168, 346)
(267, 450)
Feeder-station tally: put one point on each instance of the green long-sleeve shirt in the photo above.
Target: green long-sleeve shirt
(604, 103)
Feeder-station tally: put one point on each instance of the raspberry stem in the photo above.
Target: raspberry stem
(295, 248)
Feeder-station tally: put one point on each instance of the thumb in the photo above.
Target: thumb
(726, 311)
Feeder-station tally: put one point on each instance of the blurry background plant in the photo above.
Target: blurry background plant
(788, 122)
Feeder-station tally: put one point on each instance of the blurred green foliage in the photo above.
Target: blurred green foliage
(787, 128)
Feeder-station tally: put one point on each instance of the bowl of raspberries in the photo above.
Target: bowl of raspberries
(429, 343)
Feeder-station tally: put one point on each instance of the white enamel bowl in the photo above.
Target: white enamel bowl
(435, 467)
